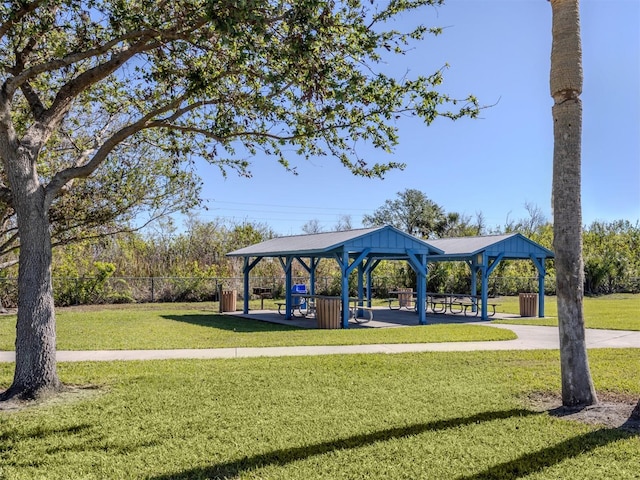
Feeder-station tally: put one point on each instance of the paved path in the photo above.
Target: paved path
(529, 338)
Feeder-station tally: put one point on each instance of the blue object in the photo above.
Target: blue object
(297, 301)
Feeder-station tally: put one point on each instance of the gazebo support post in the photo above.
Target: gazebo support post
(286, 266)
(473, 265)
(246, 270)
(540, 266)
(344, 268)
(370, 265)
(419, 265)
(312, 275)
(360, 288)
(486, 271)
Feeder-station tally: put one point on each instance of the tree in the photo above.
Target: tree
(312, 226)
(133, 189)
(220, 80)
(566, 87)
(343, 224)
(413, 212)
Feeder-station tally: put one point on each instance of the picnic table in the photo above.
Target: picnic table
(306, 306)
(458, 303)
(403, 298)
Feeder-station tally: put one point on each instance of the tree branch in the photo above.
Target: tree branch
(19, 14)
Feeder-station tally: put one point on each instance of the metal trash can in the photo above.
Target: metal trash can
(228, 300)
(328, 312)
(528, 304)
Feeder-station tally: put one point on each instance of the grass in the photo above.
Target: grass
(408, 416)
(612, 312)
(169, 326)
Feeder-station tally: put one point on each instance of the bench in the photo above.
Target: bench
(282, 306)
(434, 301)
(409, 304)
(369, 310)
(468, 308)
(391, 300)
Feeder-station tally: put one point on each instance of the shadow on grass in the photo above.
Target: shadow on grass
(290, 455)
(232, 324)
(539, 460)
(58, 440)
(10, 438)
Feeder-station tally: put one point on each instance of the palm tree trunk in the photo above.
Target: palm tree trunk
(566, 87)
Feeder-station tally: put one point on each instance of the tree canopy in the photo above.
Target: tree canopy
(413, 212)
(220, 80)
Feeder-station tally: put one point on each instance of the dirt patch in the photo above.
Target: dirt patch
(69, 394)
(612, 410)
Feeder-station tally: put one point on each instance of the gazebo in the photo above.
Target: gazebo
(362, 250)
(358, 250)
(483, 254)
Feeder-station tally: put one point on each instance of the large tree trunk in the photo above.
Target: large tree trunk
(35, 372)
(566, 87)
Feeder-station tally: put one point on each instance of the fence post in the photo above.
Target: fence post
(153, 297)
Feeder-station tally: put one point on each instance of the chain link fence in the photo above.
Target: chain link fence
(94, 290)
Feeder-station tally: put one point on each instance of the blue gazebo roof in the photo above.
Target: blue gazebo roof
(509, 247)
(381, 242)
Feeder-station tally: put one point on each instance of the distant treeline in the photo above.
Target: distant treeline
(191, 265)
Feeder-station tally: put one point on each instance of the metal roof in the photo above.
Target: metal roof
(385, 240)
(514, 245)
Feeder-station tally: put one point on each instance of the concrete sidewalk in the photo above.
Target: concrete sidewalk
(529, 338)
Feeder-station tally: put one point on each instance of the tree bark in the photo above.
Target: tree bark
(35, 372)
(566, 87)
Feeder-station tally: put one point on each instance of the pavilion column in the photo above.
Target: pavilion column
(485, 292)
(312, 275)
(286, 266)
(245, 273)
(486, 271)
(418, 263)
(368, 282)
(368, 270)
(541, 294)
(473, 265)
(360, 287)
(344, 267)
(422, 291)
(539, 263)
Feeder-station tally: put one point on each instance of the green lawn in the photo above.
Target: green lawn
(614, 312)
(408, 416)
(168, 326)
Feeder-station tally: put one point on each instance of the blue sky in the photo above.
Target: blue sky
(498, 50)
